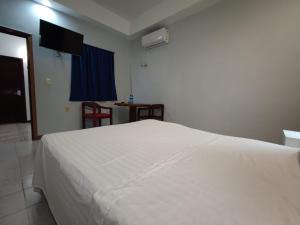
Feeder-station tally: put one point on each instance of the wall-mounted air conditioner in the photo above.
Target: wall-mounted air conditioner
(156, 38)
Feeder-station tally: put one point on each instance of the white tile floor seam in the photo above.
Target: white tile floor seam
(19, 204)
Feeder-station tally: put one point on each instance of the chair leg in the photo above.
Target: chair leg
(94, 122)
(100, 122)
(83, 122)
(151, 114)
(83, 116)
(111, 120)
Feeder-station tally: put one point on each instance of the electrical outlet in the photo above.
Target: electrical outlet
(67, 109)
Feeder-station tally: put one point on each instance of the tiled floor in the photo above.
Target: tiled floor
(19, 204)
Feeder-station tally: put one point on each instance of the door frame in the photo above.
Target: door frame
(31, 80)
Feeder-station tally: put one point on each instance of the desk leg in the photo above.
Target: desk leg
(132, 114)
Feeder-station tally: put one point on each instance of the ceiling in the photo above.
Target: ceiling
(130, 17)
(129, 9)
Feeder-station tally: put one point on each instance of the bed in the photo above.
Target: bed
(159, 173)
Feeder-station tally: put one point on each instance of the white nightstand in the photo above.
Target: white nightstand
(291, 138)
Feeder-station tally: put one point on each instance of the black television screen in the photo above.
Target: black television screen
(60, 39)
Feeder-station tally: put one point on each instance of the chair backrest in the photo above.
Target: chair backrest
(154, 109)
(143, 113)
(89, 106)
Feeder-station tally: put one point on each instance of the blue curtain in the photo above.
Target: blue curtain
(93, 75)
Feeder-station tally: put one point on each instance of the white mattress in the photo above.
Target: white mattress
(158, 173)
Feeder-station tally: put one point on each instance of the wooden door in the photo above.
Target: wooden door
(12, 90)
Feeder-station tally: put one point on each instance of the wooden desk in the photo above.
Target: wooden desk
(132, 109)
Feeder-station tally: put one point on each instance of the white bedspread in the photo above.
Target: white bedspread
(157, 173)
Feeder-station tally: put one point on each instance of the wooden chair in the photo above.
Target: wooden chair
(144, 113)
(155, 111)
(91, 110)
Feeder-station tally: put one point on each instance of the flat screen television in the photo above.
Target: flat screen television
(60, 39)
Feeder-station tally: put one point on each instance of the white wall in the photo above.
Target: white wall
(233, 69)
(52, 99)
(14, 46)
